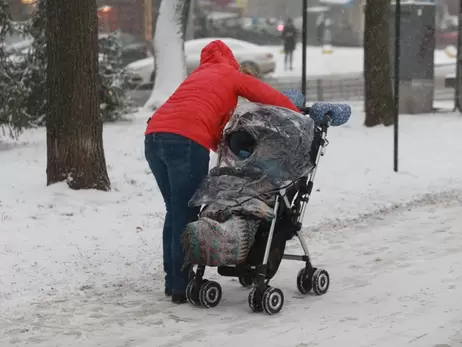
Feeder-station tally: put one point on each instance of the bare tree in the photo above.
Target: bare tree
(379, 104)
(75, 151)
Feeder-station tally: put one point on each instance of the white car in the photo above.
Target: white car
(258, 57)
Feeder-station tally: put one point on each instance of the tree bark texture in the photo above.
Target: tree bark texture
(379, 104)
(75, 152)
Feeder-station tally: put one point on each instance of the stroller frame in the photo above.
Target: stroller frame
(262, 297)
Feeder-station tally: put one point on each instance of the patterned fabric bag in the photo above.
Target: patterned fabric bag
(212, 243)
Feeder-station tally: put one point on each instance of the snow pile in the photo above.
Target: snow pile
(84, 268)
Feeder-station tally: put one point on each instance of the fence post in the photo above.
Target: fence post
(319, 89)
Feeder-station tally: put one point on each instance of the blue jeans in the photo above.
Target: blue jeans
(179, 166)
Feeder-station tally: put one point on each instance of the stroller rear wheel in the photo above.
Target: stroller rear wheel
(317, 280)
(304, 285)
(320, 281)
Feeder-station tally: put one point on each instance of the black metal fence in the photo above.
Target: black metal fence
(347, 87)
(322, 88)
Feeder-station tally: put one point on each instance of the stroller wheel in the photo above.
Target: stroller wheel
(320, 281)
(210, 294)
(255, 300)
(246, 281)
(192, 293)
(304, 284)
(273, 300)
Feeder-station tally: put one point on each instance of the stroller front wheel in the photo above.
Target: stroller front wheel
(270, 300)
(255, 300)
(273, 300)
(192, 293)
(210, 294)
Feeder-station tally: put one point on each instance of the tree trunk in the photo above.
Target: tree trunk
(170, 64)
(379, 104)
(75, 151)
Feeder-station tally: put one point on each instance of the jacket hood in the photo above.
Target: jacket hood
(217, 52)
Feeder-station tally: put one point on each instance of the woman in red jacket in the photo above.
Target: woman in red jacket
(180, 135)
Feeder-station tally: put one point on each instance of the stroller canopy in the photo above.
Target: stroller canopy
(263, 148)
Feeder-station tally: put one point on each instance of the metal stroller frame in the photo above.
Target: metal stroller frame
(262, 297)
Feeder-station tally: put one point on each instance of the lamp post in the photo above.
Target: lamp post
(304, 44)
(396, 84)
(458, 80)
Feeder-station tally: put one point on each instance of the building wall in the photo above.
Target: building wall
(20, 10)
(131, 16)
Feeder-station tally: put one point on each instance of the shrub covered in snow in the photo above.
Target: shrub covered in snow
(13, 91)
(23, 75)
(114, 79)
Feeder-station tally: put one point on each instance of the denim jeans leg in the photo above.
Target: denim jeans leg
(188, 164)
(159, 170)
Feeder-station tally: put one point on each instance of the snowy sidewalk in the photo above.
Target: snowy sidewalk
(343, 60)
(395, 281)
(82, 268)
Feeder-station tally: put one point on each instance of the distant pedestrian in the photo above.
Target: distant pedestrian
(320, 29)
(289, 36)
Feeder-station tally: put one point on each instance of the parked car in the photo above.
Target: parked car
(258, 58)
(445, 38)
(133, 48)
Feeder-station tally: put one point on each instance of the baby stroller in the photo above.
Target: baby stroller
(254, 201)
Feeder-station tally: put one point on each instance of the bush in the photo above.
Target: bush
(13, 90)
(23, 75)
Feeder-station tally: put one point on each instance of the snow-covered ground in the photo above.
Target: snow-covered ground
(343, 61)
(84, 268)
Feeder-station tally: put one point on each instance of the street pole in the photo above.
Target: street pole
(396, 83)
(458, 80)
(304, 44)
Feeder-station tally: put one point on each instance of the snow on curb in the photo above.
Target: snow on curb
(445, 198)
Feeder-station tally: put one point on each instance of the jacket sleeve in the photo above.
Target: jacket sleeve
(255, 90)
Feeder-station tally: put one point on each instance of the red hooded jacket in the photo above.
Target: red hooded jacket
(202, 105)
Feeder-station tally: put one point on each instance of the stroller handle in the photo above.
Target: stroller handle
(327, 114)
(305, 110)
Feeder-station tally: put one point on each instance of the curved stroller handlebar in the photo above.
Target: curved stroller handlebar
(326, 113)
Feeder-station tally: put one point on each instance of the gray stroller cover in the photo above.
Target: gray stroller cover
(263, 149)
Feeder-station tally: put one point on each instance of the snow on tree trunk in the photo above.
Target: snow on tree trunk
(169, 52)
(74, 126)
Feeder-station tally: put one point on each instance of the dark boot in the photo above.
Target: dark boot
(179, 298)
(168, 291)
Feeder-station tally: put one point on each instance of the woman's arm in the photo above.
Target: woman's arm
(255, 90)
